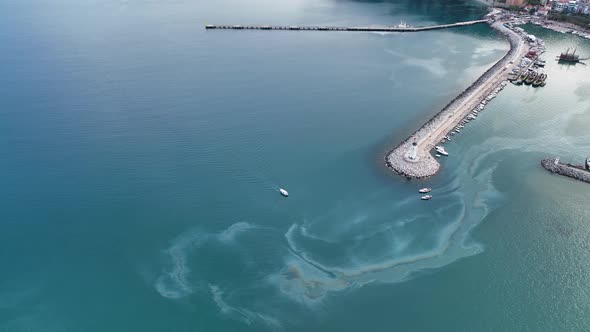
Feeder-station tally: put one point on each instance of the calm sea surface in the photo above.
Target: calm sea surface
(141, 156)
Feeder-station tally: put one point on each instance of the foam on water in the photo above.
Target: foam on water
(407, 245)
(241, 314)
(174, 282)
(232, 231)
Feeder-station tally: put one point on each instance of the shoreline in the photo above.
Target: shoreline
(560, 26)
(412, 157)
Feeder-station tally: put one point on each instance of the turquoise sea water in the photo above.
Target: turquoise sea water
(140, 158)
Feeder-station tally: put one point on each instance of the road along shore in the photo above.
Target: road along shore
(412, 158)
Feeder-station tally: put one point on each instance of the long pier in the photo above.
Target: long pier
(333, 28)
(412, 158)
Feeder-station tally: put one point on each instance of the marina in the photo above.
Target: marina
(412, 158)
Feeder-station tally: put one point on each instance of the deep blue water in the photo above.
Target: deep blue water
(140, 158)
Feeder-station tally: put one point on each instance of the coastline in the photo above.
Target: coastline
(412, 157)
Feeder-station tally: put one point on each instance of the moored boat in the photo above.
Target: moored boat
(530, 79)
(441, 149)
(425, 190)
(426, 197)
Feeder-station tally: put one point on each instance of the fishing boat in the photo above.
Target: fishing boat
(521, 78)
(531, 78)
(540, 79)
(426, 197)
(284, 192)
(425, 190)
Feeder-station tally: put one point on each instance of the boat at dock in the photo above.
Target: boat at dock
(521, 78)
(540, 80)
(441, 149)
(530, 78)
(403, 25)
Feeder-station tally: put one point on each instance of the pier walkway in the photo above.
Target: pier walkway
(412, 158)
(332, 28)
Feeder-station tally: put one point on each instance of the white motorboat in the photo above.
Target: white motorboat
(441, 149)
(284, 192)
(425, 190)
(426, 197)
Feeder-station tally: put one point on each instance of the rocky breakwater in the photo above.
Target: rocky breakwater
(573, 171)
(412, 158)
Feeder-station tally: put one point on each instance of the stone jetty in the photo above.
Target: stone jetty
(577, 172)
(412, 158)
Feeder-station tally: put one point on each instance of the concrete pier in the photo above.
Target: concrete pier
(573, 171)
(332, 28)
(412, 158)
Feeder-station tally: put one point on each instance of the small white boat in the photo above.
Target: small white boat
(425, 190)
(441, 150)
(426, 197)
(438, 155)
(284, 192)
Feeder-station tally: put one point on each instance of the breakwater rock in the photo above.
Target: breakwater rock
(412, 158)
(573, 171)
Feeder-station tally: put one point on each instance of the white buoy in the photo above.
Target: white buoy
(284, 192)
